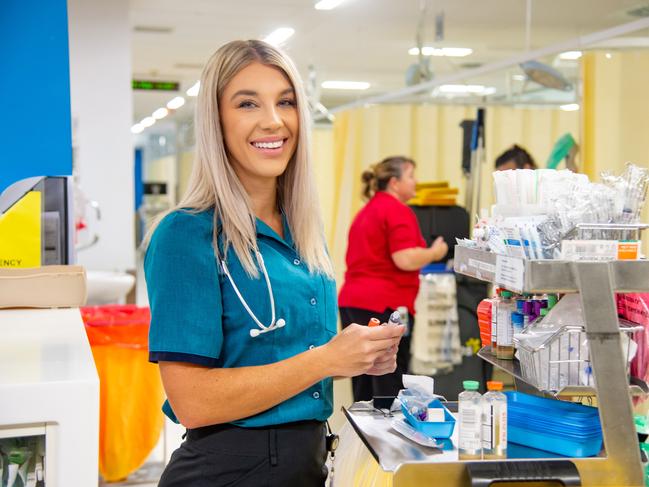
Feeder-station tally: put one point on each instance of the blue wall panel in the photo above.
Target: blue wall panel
(35, 133)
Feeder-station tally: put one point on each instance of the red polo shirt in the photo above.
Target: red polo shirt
(372, 281)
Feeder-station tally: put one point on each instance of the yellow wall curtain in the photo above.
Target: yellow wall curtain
(614, 114)
(432, 136)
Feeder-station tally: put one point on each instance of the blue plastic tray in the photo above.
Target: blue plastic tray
(553, 443)
(530, 423)
(583, 427)
(558, 431)
(550, 409)
(434, 430)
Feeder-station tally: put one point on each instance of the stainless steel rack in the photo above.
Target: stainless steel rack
(596, 282)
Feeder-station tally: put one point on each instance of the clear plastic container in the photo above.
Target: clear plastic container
(470, 421)
(494, 321)
(505, 337)
(494, 422)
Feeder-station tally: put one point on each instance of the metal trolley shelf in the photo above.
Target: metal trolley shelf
(597, 283)
(620, 464)
(637, 387)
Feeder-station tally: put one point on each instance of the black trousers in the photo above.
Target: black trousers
(288, 455)
(366, 386)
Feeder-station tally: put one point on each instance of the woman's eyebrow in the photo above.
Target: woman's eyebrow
(243, 93)
(287, 91)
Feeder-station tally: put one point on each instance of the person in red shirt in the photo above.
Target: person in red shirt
(384, 255)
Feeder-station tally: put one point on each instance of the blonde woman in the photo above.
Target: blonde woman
(241, 288)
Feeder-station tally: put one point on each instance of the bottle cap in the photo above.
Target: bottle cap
(494, 385)
(506, 294)
(518, 318)
(471, 385)
(520, 304)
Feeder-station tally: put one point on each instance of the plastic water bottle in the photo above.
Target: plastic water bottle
(494, 421)
(470, 421)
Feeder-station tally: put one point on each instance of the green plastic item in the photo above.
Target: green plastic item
(641, 425)
(471, 385)
(506, 294)
(552, 300)
(560, 150)
(544, 311)
(16, 456)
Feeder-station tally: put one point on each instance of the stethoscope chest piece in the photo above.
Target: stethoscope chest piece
(274, 324)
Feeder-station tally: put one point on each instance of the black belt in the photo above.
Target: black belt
(196, 434)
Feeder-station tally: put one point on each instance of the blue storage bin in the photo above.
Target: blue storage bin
(549, 441)
(531, 423)
(434, 430)
(550, 409)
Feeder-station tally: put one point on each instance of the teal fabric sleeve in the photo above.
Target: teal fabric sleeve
(184, 291)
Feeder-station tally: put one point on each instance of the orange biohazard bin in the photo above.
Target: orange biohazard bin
(130, 418)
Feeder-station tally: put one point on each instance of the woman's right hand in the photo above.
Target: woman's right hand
(355, 350)
(439, 248)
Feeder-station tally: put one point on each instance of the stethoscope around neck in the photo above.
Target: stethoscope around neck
(274, 324)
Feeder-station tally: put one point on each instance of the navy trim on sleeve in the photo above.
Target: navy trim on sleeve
(156, 357)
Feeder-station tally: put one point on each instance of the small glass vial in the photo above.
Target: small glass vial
(494, 422)
(470, 421)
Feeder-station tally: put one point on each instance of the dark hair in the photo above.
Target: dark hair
(377, 177)
(520, 156)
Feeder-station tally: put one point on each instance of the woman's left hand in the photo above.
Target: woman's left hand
(386, 363)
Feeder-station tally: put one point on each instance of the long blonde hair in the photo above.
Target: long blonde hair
(213, 182)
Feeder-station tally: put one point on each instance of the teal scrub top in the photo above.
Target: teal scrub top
(196, 316)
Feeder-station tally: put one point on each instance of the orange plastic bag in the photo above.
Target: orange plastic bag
(130, 388)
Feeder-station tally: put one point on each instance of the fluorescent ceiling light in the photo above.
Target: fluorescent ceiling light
(441, 51)
(327, 4)
(147, 121)
(160, 113)
(193, 91)
(345, 85)
(570, 107)
(467, 90)
(176, 103)
(279, 36)
(137, 128)
(570, 55)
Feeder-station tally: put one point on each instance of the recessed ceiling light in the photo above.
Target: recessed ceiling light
(570, 55)
(137, 128)
(570, 107)
(327, 4)
(147, 121)
(160, 113)
(609, 55)
(279, 36)
(345, 85)
(441, 51)
(193, 91)
(176, 103)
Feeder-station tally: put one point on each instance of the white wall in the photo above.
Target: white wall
(102, 113)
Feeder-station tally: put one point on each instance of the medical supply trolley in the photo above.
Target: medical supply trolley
(619, 463)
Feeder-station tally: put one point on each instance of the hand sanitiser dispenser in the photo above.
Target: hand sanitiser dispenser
(37, 223)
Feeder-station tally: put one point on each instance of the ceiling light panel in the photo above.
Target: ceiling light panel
(327, 4)
(279, 36)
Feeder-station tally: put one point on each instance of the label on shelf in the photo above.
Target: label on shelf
(482, 266)
(510, 273)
